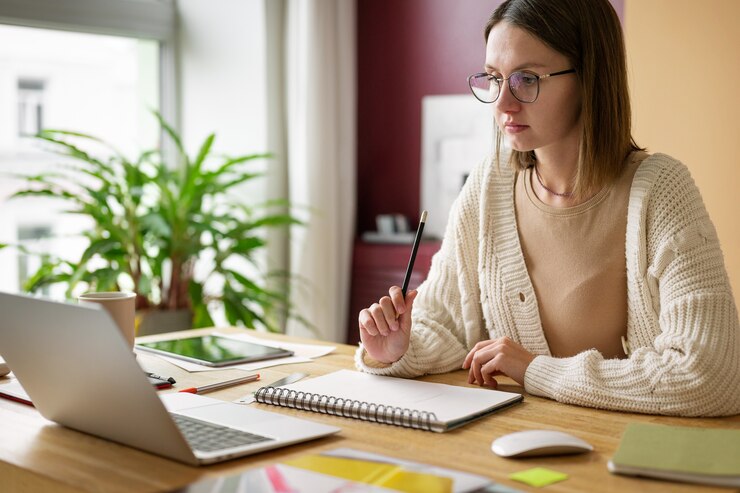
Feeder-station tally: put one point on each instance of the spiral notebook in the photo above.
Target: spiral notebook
(394, 401)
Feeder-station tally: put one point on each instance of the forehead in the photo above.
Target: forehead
(510, 48)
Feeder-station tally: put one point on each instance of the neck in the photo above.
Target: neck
(557, 168)
(553, 178)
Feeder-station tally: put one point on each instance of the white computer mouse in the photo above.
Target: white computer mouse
(531, 443)
(4, 369)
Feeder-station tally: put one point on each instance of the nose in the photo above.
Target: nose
(506, 102)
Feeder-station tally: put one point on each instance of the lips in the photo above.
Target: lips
(512, 127)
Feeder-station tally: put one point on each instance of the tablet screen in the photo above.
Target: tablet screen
(215, 350)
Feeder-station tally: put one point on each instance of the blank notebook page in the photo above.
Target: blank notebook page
(448, 402)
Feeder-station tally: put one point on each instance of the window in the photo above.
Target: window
(31, 236)
(30, 107)
(100, 72)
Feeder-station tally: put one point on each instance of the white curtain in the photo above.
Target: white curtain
(312, 118)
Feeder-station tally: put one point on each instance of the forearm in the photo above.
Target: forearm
(432, 349)
(693, 369)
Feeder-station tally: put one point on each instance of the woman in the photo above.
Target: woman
(580, 266)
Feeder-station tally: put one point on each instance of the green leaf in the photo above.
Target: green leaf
(205, 149)
(75, 152)
(155, 224)
(50, 272)
(246, 246)
(226, 186)
(232, 310)
(272, 221)
(201, 317)
(98, 247)
(231, 163)
(104, 279)
(172, 134)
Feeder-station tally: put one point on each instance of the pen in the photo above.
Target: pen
(166, 379)
(221, 385)
(417, 240)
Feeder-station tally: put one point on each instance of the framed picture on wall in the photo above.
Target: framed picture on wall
(457, 134)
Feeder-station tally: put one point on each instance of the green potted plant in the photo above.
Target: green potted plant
(153, 221)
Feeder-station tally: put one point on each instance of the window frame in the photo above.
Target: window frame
(143, 19)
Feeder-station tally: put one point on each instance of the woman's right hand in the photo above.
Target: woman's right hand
(385, 327)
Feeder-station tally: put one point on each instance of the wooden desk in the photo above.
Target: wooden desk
(37, 455)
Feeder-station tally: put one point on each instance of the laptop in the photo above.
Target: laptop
(81, 373)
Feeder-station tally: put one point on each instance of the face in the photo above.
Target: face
(552, 122)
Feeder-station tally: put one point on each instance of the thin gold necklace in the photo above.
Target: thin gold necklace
(566, 195)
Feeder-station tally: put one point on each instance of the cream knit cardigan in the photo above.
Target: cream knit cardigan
(683, 335)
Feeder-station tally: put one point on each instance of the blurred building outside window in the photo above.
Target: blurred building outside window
(101, 85)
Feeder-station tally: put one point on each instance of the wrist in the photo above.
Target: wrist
(374, 363)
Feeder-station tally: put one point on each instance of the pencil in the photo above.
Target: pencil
(417, 240)
(221, 385)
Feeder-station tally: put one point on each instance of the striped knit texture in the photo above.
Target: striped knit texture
(683, 331)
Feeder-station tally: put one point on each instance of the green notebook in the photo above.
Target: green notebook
(679, 453)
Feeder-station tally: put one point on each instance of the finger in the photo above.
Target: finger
(389, 312)
(404, 319)
(478, 346)
(487, 371)
(396, 295)
(494, 365)
(367, 323)
(410, 297)
(468, 359)
(379, 318)
(480, 359)
(493, 383)
(476, 368)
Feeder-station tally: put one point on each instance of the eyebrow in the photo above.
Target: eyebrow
(518, 67)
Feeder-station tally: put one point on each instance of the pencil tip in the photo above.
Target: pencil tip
(424, 217)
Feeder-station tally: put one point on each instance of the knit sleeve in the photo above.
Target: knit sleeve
(446, 318)
(685, 340)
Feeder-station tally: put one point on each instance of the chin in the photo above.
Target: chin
(516, 145)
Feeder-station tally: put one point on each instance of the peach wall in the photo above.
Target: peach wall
(684, 62)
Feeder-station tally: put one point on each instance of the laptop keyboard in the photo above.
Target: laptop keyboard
(208, 437)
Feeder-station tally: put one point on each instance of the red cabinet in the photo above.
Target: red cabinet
(378, 266)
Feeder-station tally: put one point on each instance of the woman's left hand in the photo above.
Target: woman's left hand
(493, 357)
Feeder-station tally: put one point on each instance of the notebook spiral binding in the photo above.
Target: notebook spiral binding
(347, 408)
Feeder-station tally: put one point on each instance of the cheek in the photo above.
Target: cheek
(573, 106)
(565, 113)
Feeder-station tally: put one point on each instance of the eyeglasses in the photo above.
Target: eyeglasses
(524, 85)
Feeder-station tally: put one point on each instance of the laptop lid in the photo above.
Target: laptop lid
(80, 372)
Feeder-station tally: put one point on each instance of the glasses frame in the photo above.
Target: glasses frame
(501, 80)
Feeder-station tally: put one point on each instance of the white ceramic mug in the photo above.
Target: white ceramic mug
(385, 223)
(121, 307)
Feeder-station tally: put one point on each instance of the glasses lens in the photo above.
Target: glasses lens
(484, 87)
(524, 86)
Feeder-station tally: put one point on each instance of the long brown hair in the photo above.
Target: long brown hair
(589, 34)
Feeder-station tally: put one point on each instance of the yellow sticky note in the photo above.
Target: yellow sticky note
(538, 476)
(375, 473)
(413, 482)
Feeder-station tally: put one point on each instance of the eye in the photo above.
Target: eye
(525, 79)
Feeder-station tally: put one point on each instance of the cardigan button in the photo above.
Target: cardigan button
(522, 298)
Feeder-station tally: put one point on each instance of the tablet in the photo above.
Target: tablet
(214, 350)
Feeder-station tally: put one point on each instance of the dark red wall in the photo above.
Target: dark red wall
(407, 49)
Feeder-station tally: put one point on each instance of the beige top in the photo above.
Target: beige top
(575, 258)
(683, 332)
